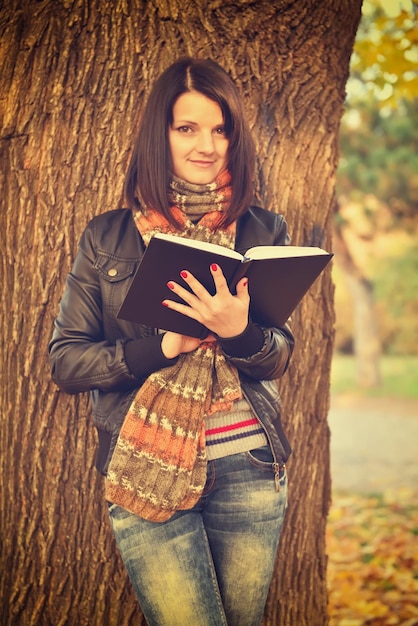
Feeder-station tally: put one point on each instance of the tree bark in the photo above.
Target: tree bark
(74, 76)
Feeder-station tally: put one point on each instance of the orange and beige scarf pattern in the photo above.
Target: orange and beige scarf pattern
(159, 463)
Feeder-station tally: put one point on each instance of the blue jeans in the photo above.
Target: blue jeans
(211, 565)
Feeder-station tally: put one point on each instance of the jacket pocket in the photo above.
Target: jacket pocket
(113, 269)
(115, 277)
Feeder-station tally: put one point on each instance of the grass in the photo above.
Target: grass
(399, 377)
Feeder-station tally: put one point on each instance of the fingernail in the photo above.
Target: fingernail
(164, 303)
(214, 267)
(245, 283)
(170, 285)
(183, 274)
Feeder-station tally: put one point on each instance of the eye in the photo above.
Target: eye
(220, 131)
(185, 129)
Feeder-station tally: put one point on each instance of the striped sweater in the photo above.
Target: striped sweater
(233, 431)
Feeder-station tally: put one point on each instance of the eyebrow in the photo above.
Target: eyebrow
(194, 123)
(184, 121)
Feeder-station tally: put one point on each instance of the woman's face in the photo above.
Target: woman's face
(197, 139)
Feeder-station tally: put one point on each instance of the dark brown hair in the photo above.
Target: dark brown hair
(149, 170)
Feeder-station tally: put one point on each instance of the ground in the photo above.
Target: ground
(374, 443)
(372, 534)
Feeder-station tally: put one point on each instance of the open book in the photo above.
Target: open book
(279, 277)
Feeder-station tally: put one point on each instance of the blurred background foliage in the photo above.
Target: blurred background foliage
(377, 179)
(372, 541)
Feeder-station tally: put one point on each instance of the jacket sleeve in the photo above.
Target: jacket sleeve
(81, 357)
(262, 353)
(269, 361)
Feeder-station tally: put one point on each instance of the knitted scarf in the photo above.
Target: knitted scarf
(159, 462)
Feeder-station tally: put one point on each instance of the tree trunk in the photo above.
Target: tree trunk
(366, 342)
(74, 75)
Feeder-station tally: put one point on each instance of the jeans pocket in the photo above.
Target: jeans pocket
(261, 458)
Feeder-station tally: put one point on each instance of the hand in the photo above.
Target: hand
(223, 314)
(173, 344)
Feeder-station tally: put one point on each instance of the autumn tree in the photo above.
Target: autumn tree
(74, 76)
(378, 164)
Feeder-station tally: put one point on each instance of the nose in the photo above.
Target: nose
(205, 143)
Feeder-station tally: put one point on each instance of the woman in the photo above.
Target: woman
(189, 431)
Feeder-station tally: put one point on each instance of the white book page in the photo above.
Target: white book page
(202, 245)
(280, 252)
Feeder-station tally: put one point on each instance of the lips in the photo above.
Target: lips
(202, 163)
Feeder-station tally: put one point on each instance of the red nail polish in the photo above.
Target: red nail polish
(164, 303)
(214, 267)
(183, 274)
(170, 285)
(245, 283)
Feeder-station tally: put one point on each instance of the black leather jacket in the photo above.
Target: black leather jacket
(88, 349)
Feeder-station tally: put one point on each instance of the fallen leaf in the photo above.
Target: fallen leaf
(372, 545)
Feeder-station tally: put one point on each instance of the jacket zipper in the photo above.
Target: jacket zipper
(275, 465)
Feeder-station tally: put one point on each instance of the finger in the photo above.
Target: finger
(242, 286)
(209, 339)
(197, 288)
(181, 292)
(184, 309)
(218, 278)
(242, 290)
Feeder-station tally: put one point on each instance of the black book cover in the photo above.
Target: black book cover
(276, 285)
